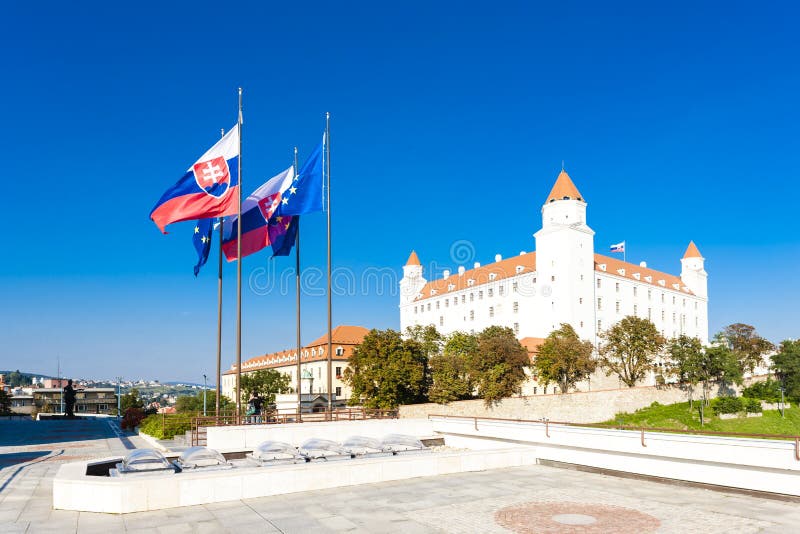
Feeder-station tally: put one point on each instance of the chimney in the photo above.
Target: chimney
(521, 252)
(446, 274)
(498, 257)
(643, 264)
(461, 270)
(476, 265)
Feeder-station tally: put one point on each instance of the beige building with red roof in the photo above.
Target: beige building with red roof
(313, 364)
(563, 281)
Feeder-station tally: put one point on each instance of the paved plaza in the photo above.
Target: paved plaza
(523, 500)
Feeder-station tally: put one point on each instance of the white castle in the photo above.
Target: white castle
(563, 281)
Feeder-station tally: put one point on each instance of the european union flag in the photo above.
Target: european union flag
(283, 239)
(304, 194)
(201, 239)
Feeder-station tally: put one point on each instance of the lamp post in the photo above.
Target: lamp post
(205, 388)
(783, 406)
(119, 396)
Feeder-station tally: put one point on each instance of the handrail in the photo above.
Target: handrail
(637, 428)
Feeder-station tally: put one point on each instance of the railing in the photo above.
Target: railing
(641, 429)
(200, 423)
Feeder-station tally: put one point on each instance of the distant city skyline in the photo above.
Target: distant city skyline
(678, 122)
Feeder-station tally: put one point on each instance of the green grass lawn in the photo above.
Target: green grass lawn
(678, 416)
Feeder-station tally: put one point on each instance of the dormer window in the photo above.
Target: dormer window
(520, 268)
(662, 283)
(621, 272)
(602, 267)
(470, 282)
(450, 287)
(649, 279)
(638, 276)
(676, 286)
(492, 276)
(433, 292)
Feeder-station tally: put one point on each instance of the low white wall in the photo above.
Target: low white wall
(73, 490)
(756, 464)
(246, 437)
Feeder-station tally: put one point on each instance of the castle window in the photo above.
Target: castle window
(553, 278)
(649, 294)
(598, 283)
(673, 299)
(472, 315)
(514, 287)
(684, 303)
(581, 324)
(617, 286)
(662, 298)
(580, 300)
(617, 307)
(455, 301)
(634, 290)
(515, 307)
(463, 299)
(662, 315)
(673, 317)
(695, 306)
(599, 303)
(490, 292)
(516, 328)
(437, 304)
(636, 310)
(480, 295)
(472, 297)
(441, 320)
(415, 310)
(501, 290)
(446, 303)
(599, 325)
(429, 306)
(649, 314)
(491, 311)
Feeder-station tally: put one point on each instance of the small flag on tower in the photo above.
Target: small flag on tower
(619, 247)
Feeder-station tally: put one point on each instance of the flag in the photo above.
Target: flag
(619, 247)
(209, 188)
(304, 194)
(261, 226)
(201, 239)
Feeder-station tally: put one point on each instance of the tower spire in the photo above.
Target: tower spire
(564, 189)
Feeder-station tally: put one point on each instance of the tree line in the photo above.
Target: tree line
(389, 368)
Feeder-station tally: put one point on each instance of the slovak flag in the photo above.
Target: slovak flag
(619, 247)
(261, 226)
(210, 187)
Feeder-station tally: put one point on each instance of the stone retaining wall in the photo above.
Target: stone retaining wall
(580, 407)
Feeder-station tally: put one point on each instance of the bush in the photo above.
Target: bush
(728, 405)
(132, 418)
(769, 390)
(162, 426)
(752, 405)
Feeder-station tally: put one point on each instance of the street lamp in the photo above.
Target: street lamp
(119, 394)
(205, 388)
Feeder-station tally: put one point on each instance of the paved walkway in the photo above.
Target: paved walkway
(527, 499)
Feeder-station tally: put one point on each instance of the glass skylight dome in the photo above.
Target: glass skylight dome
(274, 451)
(144, 461)
(401, 442)
(321, 448)
(202, 457)
(362, 445)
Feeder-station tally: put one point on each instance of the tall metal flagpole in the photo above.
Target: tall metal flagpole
(239, 276)
(297, 297)
(330, 326)
(219, 311)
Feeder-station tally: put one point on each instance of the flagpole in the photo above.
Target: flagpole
(297, 297)
(330, 325)
(239, 275)
(219, 312)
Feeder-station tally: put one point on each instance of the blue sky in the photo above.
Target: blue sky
(449, 122)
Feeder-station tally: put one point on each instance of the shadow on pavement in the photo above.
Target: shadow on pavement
(29, 432)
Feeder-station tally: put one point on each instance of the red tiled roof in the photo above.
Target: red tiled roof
(630, 271)
(345, 336)
(564, 189)
(692, 251)
(413, 259)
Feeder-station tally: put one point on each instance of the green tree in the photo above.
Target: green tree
(787, 367)
(717, 363)
(16, 379)
(629, 349)
(428, 337)
(5, 403)
(684, 355)
(131, 399)
(450, 369)
(498, 367)
(564, 359)
(386, 370)
(745, 343)
(194, 403)
(266, 382)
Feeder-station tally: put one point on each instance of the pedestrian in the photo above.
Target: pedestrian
(69, 399)
(257, 406)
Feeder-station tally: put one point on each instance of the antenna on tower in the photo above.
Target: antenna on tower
(562, 164)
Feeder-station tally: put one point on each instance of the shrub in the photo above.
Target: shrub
(752, 405)
(655, 404)
(132, 418)
(728, 405)
(769, 390)
(162, 426)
